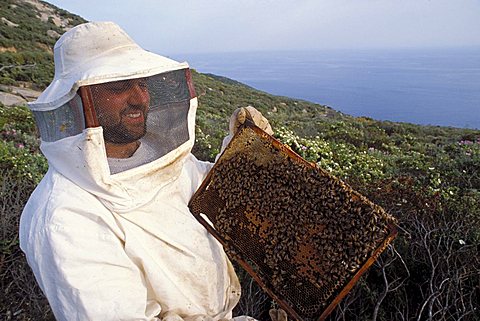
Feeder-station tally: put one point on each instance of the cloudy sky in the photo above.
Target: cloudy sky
(193, 26)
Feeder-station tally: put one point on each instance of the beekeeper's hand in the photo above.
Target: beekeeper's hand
(238, 118)
(277, 315)
(241, 114)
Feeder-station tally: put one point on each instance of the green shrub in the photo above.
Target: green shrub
(21, 162)
(341, 159)
(19, 148)
(18, 118)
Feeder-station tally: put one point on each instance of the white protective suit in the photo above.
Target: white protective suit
(123, 246)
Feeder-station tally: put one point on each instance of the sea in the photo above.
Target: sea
(428, 87)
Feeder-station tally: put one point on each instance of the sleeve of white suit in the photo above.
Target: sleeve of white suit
(76, 248)
(85, 273)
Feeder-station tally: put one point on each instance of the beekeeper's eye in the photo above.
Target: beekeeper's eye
(142, 83)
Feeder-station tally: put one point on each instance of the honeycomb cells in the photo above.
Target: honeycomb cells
(304, 233)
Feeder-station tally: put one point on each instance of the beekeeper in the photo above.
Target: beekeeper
(107, 232)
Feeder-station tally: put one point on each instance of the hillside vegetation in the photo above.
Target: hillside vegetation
(28, 32)
(428, 177)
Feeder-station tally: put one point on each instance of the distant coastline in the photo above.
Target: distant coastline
(427, 87)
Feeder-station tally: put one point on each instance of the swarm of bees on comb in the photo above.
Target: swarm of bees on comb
(304, 235)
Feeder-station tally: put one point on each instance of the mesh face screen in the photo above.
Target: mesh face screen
(305, 236)
(152, 111)
(67, 120)
(168, 88)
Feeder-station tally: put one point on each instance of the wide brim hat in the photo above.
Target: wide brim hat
(93, 53)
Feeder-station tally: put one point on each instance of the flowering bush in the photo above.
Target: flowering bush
(341, 159)
(18, 118)
(22, 163)
(19, 147)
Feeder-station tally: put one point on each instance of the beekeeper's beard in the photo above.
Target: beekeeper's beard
(121, 133)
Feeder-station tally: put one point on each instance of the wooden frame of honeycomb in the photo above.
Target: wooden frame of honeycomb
(303, 235)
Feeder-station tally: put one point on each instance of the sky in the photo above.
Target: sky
(211, 26)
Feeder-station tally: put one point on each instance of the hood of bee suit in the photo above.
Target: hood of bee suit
(97, 53)
(93, 53)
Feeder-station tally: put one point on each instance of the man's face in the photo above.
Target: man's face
(122, 108)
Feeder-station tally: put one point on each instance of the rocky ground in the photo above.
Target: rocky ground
(16, 96)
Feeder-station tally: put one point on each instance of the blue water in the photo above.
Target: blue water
(436, 87)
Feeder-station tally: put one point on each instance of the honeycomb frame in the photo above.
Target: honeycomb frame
(309, 245)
